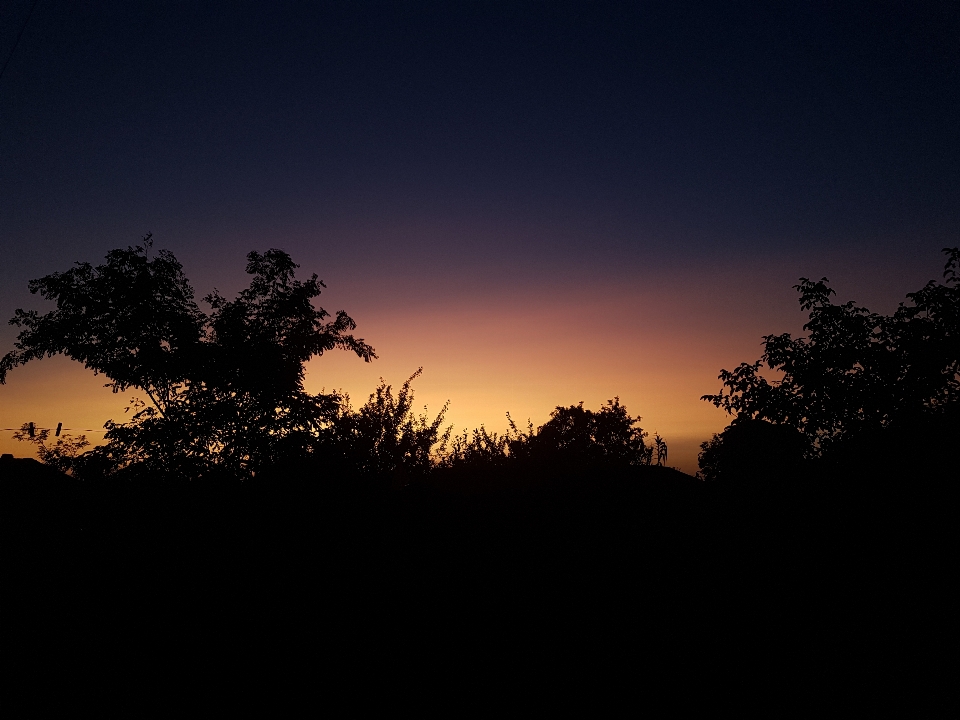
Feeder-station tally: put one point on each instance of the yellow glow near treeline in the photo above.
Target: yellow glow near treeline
(657, 353)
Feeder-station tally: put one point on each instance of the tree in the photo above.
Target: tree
(856, 373)
(575, 435)
(224, 389)
(385, 437)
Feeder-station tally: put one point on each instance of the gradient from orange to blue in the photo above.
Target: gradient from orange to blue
(538, 203)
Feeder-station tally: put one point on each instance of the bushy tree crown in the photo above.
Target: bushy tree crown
(856, 372)
(224, 389)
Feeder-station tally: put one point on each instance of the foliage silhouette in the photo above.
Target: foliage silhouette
(225, 389)
(857, 373)
(385, 437)
(752, 449)
(479, 450)
(63, 454)
(572, 438)
(574, 434)
(660, 449)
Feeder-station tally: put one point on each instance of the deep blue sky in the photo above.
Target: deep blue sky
(487, 150)
(706, 126)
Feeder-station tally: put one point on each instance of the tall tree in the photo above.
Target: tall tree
(856, 372)
(224, 390)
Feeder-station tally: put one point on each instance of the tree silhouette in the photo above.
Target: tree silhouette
(576, 436)
(385, 437)
(225, 389)
(856, 372)
(63, 454)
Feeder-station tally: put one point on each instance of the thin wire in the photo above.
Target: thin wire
(17, 41)
(62, 429)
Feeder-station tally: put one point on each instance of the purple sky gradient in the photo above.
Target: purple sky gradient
(540, 203)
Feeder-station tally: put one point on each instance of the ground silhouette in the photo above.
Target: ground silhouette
(807, 544)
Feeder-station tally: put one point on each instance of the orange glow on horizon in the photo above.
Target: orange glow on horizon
(657, 351)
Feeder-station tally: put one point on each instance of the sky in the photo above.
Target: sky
(539, 203)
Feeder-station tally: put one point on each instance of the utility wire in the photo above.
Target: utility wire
(62, 429)
(17, 41)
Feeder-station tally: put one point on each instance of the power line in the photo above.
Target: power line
(17, 41)
(63, 429)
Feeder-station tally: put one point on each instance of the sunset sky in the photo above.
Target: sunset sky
(538, 203)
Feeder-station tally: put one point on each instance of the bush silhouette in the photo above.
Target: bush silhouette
(478, 450)
(385, 436)
(573, 437)
(752, 449)
(582, 437)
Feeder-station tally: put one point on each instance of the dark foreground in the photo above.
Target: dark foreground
(834, 576)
